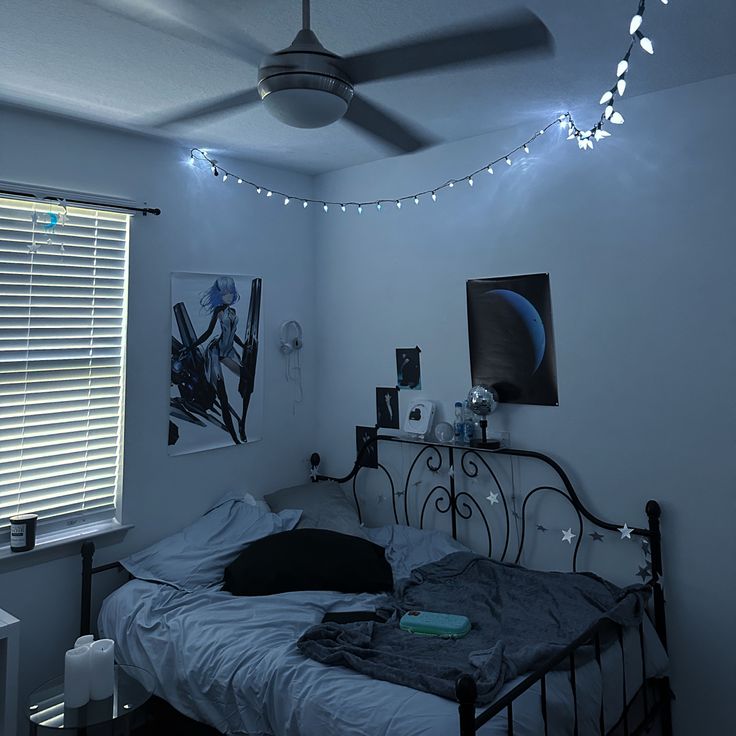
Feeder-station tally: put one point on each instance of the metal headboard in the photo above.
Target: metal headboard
(468, 462)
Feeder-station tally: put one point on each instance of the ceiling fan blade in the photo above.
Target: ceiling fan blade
(382, 125)
(189, 22)
(519, 33)
(200, 110)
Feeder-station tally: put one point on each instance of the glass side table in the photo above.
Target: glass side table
(133, 689)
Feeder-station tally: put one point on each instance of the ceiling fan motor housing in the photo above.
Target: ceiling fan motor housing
(305, 85)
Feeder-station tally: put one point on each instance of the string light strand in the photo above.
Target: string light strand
(584, 138)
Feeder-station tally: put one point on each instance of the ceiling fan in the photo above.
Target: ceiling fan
(307, 86)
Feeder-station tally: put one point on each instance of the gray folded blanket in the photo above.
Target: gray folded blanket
(519, 619)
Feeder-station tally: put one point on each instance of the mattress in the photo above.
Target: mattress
(232, 662)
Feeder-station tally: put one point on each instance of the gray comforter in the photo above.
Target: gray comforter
(519, 619)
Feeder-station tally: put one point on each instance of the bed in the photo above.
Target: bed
(233, 662)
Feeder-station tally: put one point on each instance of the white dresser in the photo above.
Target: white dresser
(9, 662)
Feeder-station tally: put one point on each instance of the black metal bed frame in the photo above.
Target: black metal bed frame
(653, 698)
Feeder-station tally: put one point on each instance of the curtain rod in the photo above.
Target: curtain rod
(100, 205)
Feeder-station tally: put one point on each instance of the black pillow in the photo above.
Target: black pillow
(309, 559)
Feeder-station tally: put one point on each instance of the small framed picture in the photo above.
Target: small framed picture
(408, 373)
(387, 408)
(366, 437)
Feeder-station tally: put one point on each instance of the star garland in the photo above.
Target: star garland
(585, 139)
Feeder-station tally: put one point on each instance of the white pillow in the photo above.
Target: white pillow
(407, 547)
(196, 556)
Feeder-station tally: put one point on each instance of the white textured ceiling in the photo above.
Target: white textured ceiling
(74, 58)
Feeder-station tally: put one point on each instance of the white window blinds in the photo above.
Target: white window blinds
(63, 297)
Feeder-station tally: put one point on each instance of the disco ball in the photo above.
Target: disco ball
(482, 400)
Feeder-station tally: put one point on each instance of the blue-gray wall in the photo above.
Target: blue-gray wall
(638, 238)
(206, 226)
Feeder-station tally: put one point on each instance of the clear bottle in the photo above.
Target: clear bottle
(468, 424)
(459, 425)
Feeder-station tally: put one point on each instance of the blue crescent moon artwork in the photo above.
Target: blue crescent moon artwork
(531, 319)
(53, 221)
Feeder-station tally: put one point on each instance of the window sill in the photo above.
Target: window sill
(56, 541)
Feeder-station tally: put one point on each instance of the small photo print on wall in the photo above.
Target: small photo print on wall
(408, 373)
(512, 346)
(216, 390)
(387, 408)
(369, 459)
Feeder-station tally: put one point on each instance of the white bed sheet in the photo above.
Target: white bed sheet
(232, 662)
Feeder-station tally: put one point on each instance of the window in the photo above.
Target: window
(63, 299)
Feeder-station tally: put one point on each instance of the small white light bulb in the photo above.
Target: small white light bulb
(305, 205)
(416, 200)
(601, 134)
(325, 207)
(617, 118)
(608, 112)
(646, 44)
(470, 181)
(286, 201)
(398, 204)
(526, 148)
(342, 207)
(635, 24)
(378, 206)
(451, 184)
(360, 209)
(191, 159)
(621, 87)
(224, 178)
(622, 68)
(434, 196)
(541, 132)
(240, 181)
(607, 97)
(561, 118)
(508, 160)
(490, 169)
(269, 193)
(258, 190)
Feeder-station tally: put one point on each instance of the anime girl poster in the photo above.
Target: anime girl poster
(216, 390)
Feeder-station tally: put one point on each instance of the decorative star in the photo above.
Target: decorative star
(643, 573)
(596, 536)
(541, 528)
(567, 535)
(492, 497)
(625, 531)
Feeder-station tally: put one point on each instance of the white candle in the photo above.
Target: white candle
(102, 669)
(86, 639)
(76, 677)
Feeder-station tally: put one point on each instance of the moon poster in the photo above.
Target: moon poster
(216, 393)
(512, 347)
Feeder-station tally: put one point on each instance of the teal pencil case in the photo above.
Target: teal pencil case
(427, 623)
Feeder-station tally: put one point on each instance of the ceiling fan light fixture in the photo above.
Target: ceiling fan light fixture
(305, 100)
